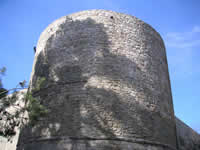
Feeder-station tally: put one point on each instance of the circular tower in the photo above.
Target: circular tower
(106, 86)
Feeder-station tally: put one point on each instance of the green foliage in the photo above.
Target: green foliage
(22, 84)
(34, 108)
(2, 72)
(40, 82)
(9, 121)
(3, 92)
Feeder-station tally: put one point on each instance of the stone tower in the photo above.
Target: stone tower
(107, 86)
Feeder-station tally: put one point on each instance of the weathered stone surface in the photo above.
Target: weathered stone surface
(107, 82)
(4, 143)
(188, 139)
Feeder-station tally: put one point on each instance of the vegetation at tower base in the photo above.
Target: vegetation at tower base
(35, 109)
(13, 108)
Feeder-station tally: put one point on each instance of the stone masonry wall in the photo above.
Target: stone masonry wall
(107, 86)
(188, 139)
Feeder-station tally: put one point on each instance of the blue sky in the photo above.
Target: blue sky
(178, 22)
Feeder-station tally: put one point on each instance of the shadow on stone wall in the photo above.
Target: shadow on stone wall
(88, 94)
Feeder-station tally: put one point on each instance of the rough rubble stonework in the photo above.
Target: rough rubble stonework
(188, 139)
(107, 86)
(107, 82)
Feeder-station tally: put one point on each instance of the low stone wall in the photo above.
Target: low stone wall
(187, 138)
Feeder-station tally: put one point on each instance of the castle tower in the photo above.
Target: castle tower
(107, 86)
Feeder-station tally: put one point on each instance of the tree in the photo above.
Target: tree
(2, 90)
(12, 108)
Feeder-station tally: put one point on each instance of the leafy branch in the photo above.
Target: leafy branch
(18, 109)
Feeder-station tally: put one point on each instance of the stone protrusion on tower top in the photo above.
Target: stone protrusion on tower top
(107, 86)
